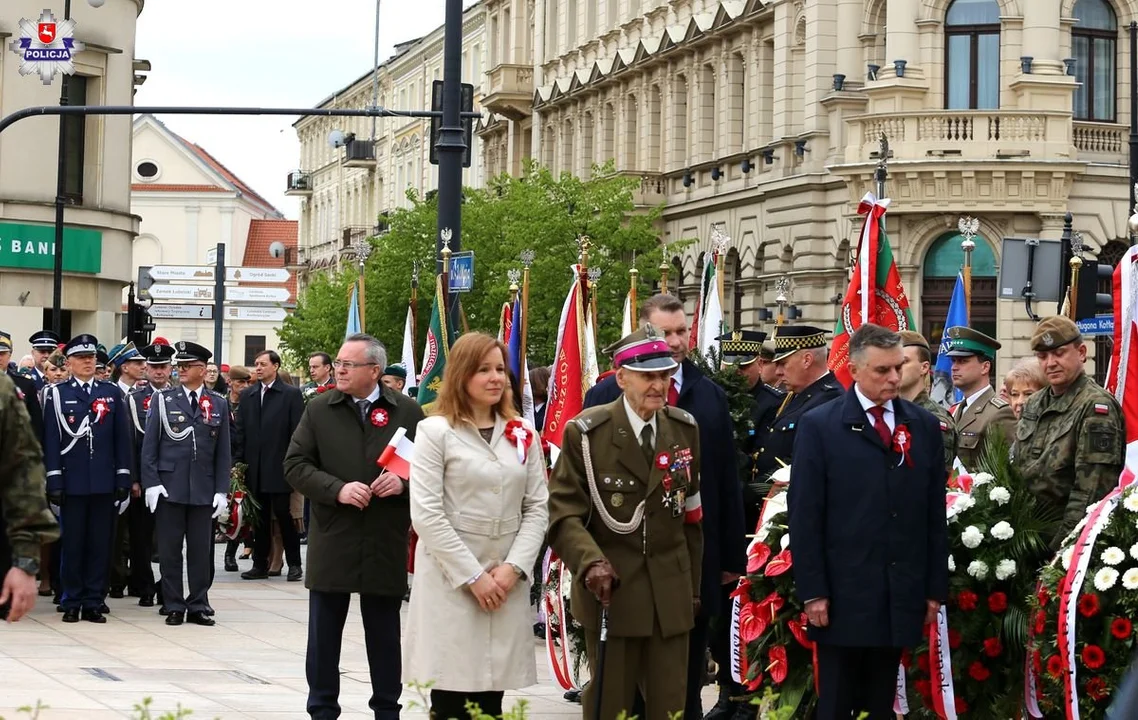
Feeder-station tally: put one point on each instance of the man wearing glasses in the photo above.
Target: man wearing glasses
(185, 473)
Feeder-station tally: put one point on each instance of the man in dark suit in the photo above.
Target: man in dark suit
(267, 416)
(870, 543)
(724, 545)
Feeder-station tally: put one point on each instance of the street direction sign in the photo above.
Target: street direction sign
(211, 256)
(181, 292)
(1098, 325)
(244, 312)
(205, 293)
(461, 272)
(205, 273)
(181, 312)
(256, 294)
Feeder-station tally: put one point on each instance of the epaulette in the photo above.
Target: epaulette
(592, 419)
(215, 393)
(998, 402)
(137, 390)
(680, 414)
(774, 391)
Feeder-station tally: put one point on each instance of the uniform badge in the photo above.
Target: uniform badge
(1102, 409)
(70, 419)
(617, 499)
(1047, 339)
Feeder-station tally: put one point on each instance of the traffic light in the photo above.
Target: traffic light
(1089, 302)
(140, 325)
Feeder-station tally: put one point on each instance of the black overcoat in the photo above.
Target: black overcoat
(262, 434)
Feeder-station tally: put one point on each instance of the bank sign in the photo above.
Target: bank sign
(32, 247)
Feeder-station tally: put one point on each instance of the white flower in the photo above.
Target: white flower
(1134, 551)
(951, 564)
(1005, 569)
(999, 495)
(1105, 579)
(982, 479)
(978, 569)
(784, 541)
(972, 537)
(782, 475)
(1130, 579)
(965, 502)
(1002, 530)
(1131, 502)
(1112, 556)
(1066, 557)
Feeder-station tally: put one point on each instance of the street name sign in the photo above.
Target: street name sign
(1098, 325)
(205, 273)
(245, 312)
(181, 312)
(205, 293)
(461, 273)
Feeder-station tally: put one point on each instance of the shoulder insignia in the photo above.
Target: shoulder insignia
(1102, 409)
(680, 414)
(592, 419)
(998, 402)
(943, 426)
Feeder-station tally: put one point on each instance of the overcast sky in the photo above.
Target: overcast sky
(282, 53)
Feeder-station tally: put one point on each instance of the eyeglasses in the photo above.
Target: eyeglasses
(349, 365)
(188, 366)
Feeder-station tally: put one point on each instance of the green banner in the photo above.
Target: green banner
(439, 340)
(33, 247)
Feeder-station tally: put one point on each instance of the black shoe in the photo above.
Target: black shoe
(230, 562)
(117, 593)
(163, 611)
(295, 572)
(573, 696)
(93, 616)
(174, 618)
(56, 599)
(209, 611)
(539, 630)
(255, 573)
(146, 601)
(274, 573)
(70, 616)
(45, 593)
(104, 609)
(724, 709)
(200, 618)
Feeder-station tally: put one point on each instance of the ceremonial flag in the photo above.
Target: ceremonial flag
(409, 350)
(592, 367)
(435, 354)
(514, 340)
(1122, 377)
(504, 324)
(626, 316)
(566, 383)
(712, 323)
(875, 293)
(942, 391)
(396, 457)
(700, 303)
(353, 313)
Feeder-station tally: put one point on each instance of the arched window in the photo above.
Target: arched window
(941, 264)
(1093, 44)
(972, 55)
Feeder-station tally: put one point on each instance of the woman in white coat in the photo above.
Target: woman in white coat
(478, 503)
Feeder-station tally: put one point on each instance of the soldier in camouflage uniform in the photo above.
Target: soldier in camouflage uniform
(23, 504)
(914, 388)
(981, 410)
(1071, 438)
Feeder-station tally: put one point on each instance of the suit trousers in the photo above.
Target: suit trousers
(655, 666)
(118, 574)
(275, 505)
(852, 680)
(696, 668)
(451, 705)
(192, 524)
(327, 612)
(141, 522)
(86, 527)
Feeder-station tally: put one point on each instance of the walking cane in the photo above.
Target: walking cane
(600, 676)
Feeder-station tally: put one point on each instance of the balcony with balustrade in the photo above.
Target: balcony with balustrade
(510, 91)
(299, 184)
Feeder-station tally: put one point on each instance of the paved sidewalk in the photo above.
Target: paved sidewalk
(250, 665)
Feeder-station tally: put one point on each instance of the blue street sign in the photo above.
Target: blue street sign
(1099, 325)
(461, 272)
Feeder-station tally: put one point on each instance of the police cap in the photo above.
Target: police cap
(45, 340)
(789, 339)
(187, 352)
(741, 347)
(157, 354)
(82, 345)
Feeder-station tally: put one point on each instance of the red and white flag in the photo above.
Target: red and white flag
(396, 457)
(1122, 378)
(567, 383)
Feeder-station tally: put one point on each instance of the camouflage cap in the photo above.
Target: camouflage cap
(1054, 332)
(963, 341)
(913, 339)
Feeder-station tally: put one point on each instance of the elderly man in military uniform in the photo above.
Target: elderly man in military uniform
(972, 354)
(88, 456)
(186, 459)
(914, 387)
(1071, 439)
(158, 362)
(43, 343)
(624, 510)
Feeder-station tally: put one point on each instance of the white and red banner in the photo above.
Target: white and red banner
(567, 382)
(1123, 373)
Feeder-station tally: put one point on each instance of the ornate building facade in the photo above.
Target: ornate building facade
(765, 118)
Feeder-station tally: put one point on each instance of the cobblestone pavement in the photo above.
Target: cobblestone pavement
(250, 665)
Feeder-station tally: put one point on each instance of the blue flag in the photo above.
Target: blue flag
(942, 391)
(515, 346)
(353, 313)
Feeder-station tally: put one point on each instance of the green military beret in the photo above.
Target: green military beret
(1054, 332)
(964, 341)
(397, 370)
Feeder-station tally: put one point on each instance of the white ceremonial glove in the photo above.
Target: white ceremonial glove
(123, 504)
(220, 505)
(152, 495)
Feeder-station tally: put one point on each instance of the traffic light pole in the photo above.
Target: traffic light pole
(60, 200)
(450, 147)
(218, 302)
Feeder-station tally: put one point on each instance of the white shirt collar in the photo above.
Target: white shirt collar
(678, 378)
(638, 422)
(199, 390)
(125, 388)
(375, 393)
(866, 404)
(975, 397)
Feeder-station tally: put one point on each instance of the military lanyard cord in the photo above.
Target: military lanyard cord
(785, 401)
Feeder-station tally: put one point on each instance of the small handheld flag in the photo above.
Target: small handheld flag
(396, 457)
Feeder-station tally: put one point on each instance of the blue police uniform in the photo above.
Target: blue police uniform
(43, 340)
(185, 465)
(87, 456)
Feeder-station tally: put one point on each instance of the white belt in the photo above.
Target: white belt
(490, 527)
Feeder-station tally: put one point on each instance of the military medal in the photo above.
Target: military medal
(379, 417)
(617, 499)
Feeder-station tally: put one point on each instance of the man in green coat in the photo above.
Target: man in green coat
(360, 515)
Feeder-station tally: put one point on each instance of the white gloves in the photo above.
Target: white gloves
(220, 505)
(152, 495)
(123, 504)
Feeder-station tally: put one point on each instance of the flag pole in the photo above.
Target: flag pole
(882, 171)
(720, 243)
(414, 307)
(594, 276)
(968, 227)
(527, 257)
(444, 255)
(632, 277)
(664, 271)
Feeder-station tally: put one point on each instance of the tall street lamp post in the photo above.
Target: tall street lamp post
(451, 145)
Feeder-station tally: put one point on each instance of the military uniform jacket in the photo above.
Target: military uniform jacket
(988, 411)
(86, 443)
(657, 559)
(766, 402)
(138, 403)
(779, 442)
(186, 451)
(1070, 448)
(947, 428)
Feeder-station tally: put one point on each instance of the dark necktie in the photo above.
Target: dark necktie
(363, 406)
(878, 413)
(193, 401)
(647, 443)
(673, 393)
(960, 409)
(86, 389)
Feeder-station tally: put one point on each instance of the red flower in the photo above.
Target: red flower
(798, 630)
(778, 667)
(1093, 657)
(1042, 596)
(967, 600)
(923, 663)
(978, 672)
(751, 624)
(742, 590)
(961, 706)
(1040, 622)
(1121, 628)
(779, 564)
(998, 602)
(322, 389)
(757, 556)
(1088, 605)
(1096, 688)
(993, 647)
(953, 639)
(1054, 666)
(768, 607)
(923, 686)
(754, 683)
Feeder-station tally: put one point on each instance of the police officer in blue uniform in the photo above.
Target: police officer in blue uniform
(87, 456)
(185, 475)
(158, 360)
(43, 344)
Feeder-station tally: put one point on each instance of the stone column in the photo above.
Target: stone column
(848, 58)
(902, 41)
(1041, 36)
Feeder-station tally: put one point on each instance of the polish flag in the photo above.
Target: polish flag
(1122, 377)
(396, 457)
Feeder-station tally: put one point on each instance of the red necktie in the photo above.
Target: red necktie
(673, 393)
(878, 413)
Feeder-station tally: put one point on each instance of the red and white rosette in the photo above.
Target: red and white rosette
(521, 436)
(101, 408)
(206, 406)
(379, 417)
(902, 441)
